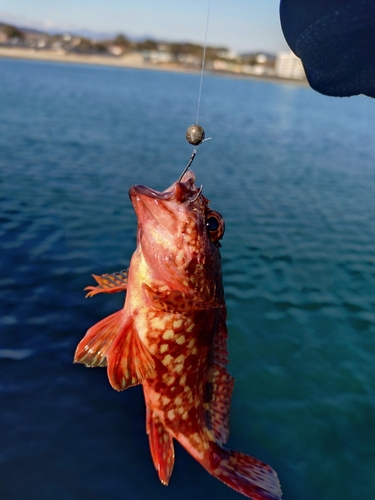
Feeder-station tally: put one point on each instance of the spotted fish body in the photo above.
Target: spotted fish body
(171, 336)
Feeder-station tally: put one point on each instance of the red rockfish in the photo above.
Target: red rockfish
(171, 336)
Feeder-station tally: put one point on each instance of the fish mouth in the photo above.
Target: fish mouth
(180, 191)
(140, 190)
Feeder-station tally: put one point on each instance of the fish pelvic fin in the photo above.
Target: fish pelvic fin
(161, 447)
(109, 283)
(245, 474)
(129, 360)
(93, 348)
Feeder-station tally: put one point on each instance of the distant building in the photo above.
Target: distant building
(289, 65)
(157, 56)
(116, 50)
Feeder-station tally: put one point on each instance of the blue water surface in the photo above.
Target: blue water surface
(293, 174)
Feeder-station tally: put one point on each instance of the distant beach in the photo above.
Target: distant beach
(132, 60)
(128, 61)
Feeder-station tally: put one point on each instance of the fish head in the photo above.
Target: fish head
(178, 234)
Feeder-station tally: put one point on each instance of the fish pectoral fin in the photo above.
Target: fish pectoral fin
(129, 360)
(109, 283)
(93, 348)
(161, 446)
(113, 342)
(177, 300)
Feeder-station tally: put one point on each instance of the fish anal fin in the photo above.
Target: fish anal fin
(129, 360)
(177, 300)
(222, 384)
(93, 348)
(109, 283)
(243, 473)
(161, 447)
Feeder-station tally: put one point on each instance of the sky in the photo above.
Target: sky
(241, 25)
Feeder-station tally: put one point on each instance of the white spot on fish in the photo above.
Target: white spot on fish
(155, 396)
(196, 437)
(171, 414)
(152, 348)
(177, 323)
(163, 348)
(167, 360)
(165, 400)
(159, 322)
(191, 344)
(168, 334)
(169, 380)
(180, 340)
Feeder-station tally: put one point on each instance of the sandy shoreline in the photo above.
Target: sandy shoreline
(104, 60)
(128, 61)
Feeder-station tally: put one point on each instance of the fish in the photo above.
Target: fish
(171, 336)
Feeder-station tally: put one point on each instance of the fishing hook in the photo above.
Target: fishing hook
(188, 165)
(197, 196)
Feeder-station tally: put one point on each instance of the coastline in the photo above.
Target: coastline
(102, 60)
(128, 61)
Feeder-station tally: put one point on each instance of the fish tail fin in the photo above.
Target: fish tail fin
(245, 474)
(114, 342)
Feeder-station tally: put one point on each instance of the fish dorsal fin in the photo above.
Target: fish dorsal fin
(222, 386)
(109, 283)
(177, 300)
(93, 348)
(129, 360)
(161, 446)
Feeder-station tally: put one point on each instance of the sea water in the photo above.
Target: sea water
(293, 174)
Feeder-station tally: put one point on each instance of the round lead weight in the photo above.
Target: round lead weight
(195, 135)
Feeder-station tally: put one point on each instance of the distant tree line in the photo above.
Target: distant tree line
(181, 52)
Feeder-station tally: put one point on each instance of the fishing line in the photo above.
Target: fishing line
(203, 60)
(195, 134)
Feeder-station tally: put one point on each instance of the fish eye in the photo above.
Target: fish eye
(215, 226)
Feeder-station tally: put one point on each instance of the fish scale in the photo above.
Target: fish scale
(171, 336)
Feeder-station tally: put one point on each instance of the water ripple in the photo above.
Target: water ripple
(292, 173)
